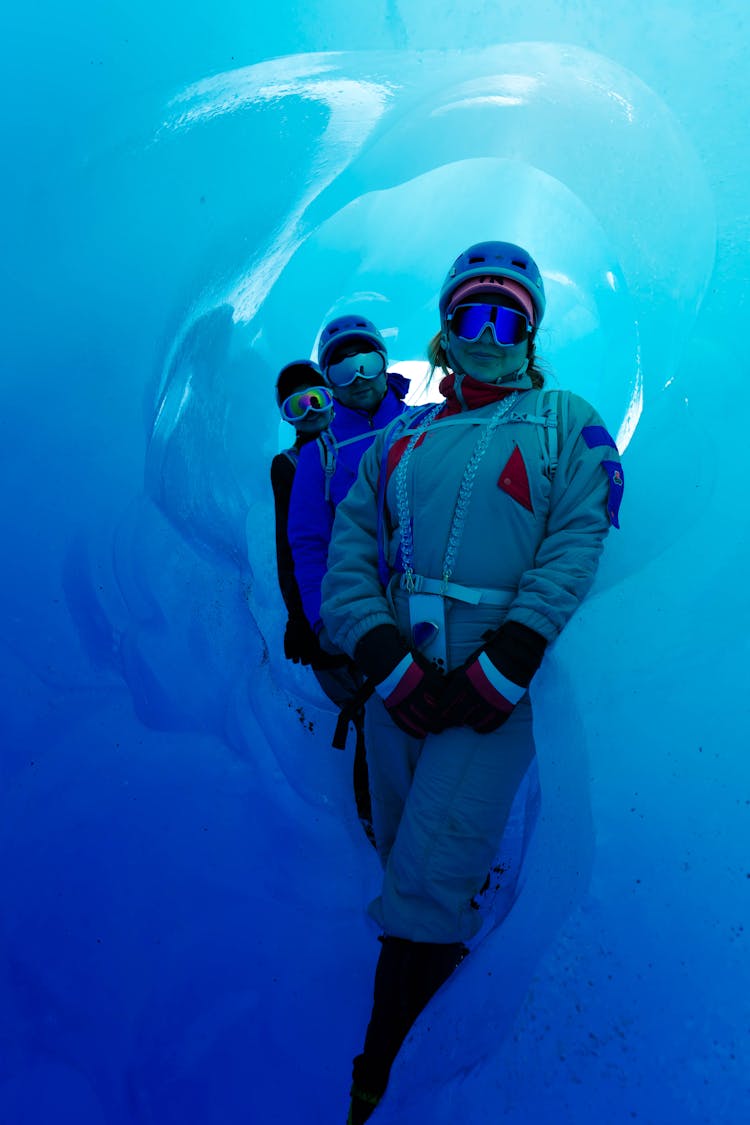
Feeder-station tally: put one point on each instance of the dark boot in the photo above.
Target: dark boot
(362, 1103)
(408, 974)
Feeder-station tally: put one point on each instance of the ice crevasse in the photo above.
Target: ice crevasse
(186, 198)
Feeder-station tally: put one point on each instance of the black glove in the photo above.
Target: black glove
(482, 693)
(410, 687)
(300, 643)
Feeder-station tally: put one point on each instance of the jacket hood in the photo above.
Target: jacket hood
(399, 384)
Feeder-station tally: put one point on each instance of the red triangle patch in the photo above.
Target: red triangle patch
(515, 480)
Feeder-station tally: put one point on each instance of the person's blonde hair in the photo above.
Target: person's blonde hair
(437, 357)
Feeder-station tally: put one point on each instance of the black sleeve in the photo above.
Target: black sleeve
(282, 479)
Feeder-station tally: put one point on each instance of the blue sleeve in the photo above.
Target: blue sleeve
(310, 526)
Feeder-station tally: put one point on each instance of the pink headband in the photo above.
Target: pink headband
(492, 289)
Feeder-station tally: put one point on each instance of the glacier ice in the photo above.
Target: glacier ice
(186, 199)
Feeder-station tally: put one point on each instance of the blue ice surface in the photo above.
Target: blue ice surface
(188, 192)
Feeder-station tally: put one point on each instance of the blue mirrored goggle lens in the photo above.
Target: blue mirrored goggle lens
(363, 365)
(508, 326)
(314, 400)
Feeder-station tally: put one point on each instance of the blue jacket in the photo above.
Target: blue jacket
(311, 511)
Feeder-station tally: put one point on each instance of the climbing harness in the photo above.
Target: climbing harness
(328, 447)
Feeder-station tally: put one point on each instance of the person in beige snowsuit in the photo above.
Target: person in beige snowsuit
(471, 535)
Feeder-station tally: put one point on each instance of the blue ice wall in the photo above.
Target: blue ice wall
(187, 193)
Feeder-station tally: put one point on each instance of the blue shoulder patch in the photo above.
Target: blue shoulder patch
(597, 435)
(613, 469)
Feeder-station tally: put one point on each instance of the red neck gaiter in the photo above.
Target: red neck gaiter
(473, 392)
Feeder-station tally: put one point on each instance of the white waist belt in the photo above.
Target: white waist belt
(472, 595)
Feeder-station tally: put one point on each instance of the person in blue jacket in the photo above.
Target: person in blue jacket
(353, 359)
(471, 536)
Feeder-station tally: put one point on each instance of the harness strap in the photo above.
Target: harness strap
(349, 712)
(328, 447)
(452, 420)
(554, 444)
(358, 437)
(547, 419)
(468, 420)
(472, 595)
(563, 426)
(326, 444)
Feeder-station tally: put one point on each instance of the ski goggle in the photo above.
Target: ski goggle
(508, 326)
(313, 400)
(357, 365)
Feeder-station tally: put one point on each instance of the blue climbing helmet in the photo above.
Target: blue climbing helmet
(348, 327)
(488, 265)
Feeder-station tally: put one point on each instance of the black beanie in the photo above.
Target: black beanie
(300, 373)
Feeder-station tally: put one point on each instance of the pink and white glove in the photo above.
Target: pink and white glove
(410, 687)
(483, 692)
